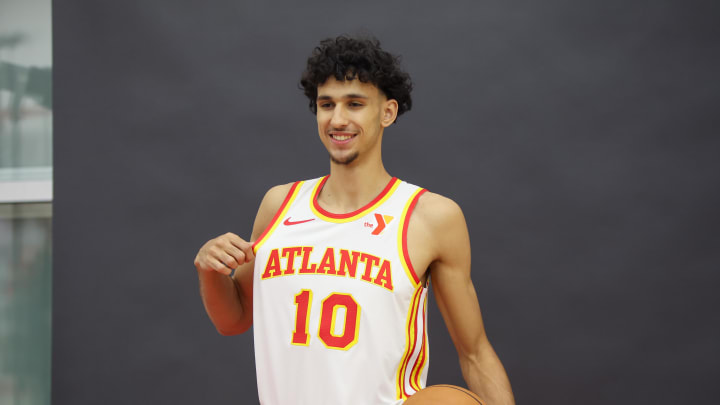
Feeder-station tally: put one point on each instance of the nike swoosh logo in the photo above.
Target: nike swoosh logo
(288, 222)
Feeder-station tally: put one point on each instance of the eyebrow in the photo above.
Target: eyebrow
(346, 96)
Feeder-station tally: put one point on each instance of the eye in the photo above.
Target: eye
(355, 104)
(325, 105)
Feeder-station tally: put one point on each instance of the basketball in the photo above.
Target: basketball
(444, 395)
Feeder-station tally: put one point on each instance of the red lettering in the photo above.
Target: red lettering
(327, 264)
(370, 261)
(272, 268)
(346, 263)
(384, 277)
(290, 253)
(306, 258)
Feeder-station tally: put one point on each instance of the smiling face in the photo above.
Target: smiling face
(351, 117)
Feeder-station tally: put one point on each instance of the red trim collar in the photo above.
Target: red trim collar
(317, 206)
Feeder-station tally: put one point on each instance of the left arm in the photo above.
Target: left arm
(457, 300)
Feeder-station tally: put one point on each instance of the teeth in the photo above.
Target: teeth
(341, 137)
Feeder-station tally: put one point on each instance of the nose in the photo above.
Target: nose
(339, 118)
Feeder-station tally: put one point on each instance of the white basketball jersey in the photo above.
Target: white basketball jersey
(339, 314)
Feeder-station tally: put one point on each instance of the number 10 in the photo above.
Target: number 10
(328, 318)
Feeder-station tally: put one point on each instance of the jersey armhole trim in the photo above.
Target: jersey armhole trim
(289, 198)
(402, 237)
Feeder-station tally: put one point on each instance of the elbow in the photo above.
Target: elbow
(473, 349)
(469, 360)
(475, 354)
(232, 330)
(228, 332)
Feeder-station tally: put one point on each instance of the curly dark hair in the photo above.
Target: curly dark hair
(347, 58)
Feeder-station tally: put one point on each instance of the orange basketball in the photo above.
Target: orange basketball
(444, 395)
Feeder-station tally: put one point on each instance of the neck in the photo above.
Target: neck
(352, 186)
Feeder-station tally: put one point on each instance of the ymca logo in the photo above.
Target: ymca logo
(381, 220)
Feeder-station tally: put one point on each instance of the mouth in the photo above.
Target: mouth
(341, 137)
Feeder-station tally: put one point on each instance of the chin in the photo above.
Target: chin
(345, 160)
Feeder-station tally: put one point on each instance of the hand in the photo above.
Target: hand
(223, 254)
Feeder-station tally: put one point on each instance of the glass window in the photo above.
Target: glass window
(25, 303)
(25, 201)
(25, 90)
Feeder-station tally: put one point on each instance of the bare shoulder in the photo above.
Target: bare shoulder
(437, 231)
(438, 212)
(276, 195)
(271, 203)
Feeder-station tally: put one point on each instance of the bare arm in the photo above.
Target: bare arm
(457, 300)
(228, 299)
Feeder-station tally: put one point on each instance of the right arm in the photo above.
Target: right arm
(228, 299)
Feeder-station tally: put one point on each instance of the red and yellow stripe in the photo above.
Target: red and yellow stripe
(419, 365)
(411, 343)
(289, 198)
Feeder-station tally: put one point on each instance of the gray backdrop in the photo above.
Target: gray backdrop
(580, 137)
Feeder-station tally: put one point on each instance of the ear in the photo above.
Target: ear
(389, 113)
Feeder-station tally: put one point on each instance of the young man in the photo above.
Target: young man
(334, 277)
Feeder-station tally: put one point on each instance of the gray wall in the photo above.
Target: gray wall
(580, 137)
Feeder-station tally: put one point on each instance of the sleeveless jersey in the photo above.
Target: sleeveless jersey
(339, 314)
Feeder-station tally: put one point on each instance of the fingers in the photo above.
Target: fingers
(224, 254)
(228, 260)
(237, 255)
(242, 245)
(220, 267)
(208, 263)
